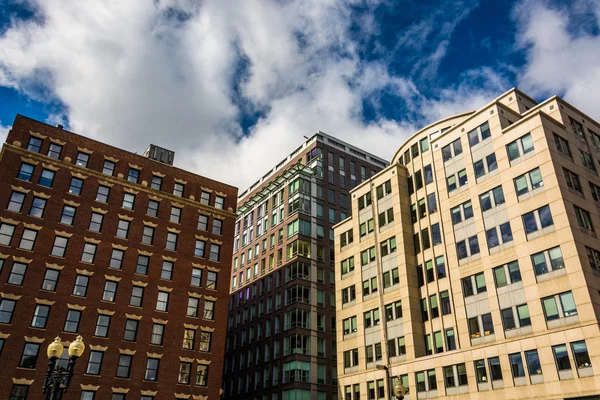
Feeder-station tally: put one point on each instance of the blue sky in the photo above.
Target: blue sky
(233, 86)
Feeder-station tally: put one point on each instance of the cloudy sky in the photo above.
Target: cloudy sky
(233, 85)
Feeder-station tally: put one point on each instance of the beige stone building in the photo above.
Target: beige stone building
(470, 267)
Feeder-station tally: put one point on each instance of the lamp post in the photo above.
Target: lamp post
(57, 379)
(399, 390)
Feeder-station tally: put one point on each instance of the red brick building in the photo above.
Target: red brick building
(130, 252)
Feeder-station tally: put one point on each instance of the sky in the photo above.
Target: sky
(233, 86)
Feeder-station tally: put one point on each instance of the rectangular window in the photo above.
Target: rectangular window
(175, 215)
(199, 250)
(162, 301)
(46, 178)
(137, 296)
(133, 175)
(96, 222)
(124, 366)
(122, 229)
(25, 172)
(519, 147)
(29, 356)
(467, 248)
(81, 285)
(209, 307)
(205, 198)
(573, 181)
(28, 239)
(171, 243)
(152, 208)
(37, 207)
(499, 235)
(584, 218)
(131, 327)
(492, 198)
(54, 151)
(110, 291)
(452, 150)
(581, 355)
(148, 235)
(528, 182)
(72, 321)
(40, 316)
(15, 202)
(479, 134)
(178, 189)
(157, 334)
(507, 274)
(102, 325)
(34, 144)
(94, 362)
(50, 279)
(587, 160)
(537, 219)
(75, 186)
(485, 165)
(17, 274)
(128, 201)
(547, 261)
(462, 212)
(7, 307)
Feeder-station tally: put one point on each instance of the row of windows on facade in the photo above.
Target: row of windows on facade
(293, 371)
(294, 318)
(262, 227)
(88, 254)
(296, 227)
(293, 344)
(108, 168)
(485, 372)
(20, 392)
(38, 204)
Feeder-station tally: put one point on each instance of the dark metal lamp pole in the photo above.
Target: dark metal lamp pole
(57, 379)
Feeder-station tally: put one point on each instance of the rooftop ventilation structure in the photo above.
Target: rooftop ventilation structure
(159, 154)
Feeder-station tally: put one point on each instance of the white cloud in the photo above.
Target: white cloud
(562, 58)
(3, 132)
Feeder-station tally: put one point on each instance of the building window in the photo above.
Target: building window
(580, 352)
(481, 326)
(37, 207)
(507, 274)
(457, 180)
(196, 277)
(54, 151)
(137, 296)
(7, 307)
(519, 147)
(171, 243)
(205, 341)
(184, 373)
(192, 307)
(116, 259)
(462, 212)
(205, 198)
(68, 215)
(199, 249)
(533, 362)
(16, 202)
(573, 181)
(495, 368)
(152, 208)
(94, 363)
(211, 280)
(162, 301)
(219, 202)
(175, 215)
(128, 201)
(147, 235)
(152, 369)
(89, 252)
(499, 235)
(96, 222)
(369, 286)
(202, 222)
(110, 291)
(40, 316)
(485, 165)
(215, 252)
(29, 356)
(587, 160)
(6, 234)
(166, 271)
(559, 306)
(189, 336)
(102, 194)
(452, 150)
(133, 175)
(491, 199)
(28, 239)
(537, 219)
(72, 321)
(17, 274)
(209, 307)
(584, 219)
(50, 280)
(34, 144)
(108, 168)
(75, 186)
(468, 247)
(25, 172)
(178, 189)
(131, 327)
(479, 134)
(124, 366)
(142, 264)
(547, 261)
(81, 285)
(102, 325)
(46, 178)
(218, 227)
(158, 331)
(122, 229)
(351, 358)
(156, 182)
(528, 182)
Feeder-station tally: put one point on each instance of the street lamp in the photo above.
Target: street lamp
(57, 378)
(399, 389)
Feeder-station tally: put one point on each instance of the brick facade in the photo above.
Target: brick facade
(61, 299)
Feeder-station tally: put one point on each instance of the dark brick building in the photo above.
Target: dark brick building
(281, 342)
(130, 252)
